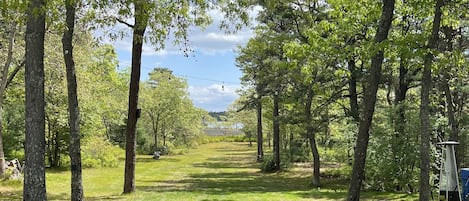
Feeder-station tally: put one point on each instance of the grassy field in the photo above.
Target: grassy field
(218, 171)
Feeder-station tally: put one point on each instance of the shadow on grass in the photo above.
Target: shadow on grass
(249, 182)
(246, 179)
(228, 162)
(162, 158)
(108, 197)
(11, 195)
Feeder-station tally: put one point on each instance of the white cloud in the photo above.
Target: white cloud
(217, 42)
(209, 41)
(216, 97)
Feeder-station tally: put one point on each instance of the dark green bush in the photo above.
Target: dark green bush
(268, 164)
(300, 151)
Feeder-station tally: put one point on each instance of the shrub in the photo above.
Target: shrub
(98, 152)
(268, 164)
(300, 151)
(17, 154)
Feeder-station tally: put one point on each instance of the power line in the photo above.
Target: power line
(197, 78)
(205, 79)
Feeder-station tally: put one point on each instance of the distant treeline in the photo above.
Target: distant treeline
(219, 116)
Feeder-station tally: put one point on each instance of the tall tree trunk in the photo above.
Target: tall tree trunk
(312, 139)
(401, 92)
(354, 112)
(34, 187)
(2, 154)
(276, 137)
(155, 128)
(399, 139)
(164, 135)
(140, 25)
(424, 187)
(316, 161)
(260, 140)
(73, 108)
(369, 101)
(451, 114)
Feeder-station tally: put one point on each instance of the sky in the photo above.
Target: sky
(210, 69)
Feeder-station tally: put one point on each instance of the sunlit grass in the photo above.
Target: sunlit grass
(217, 171)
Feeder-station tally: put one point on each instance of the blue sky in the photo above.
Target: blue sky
(210, 70)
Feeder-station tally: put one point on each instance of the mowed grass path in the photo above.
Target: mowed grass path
(212, 172)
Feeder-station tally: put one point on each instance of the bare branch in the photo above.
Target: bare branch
(124, 22)
(14, 72)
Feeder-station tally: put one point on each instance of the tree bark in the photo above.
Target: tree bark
(451, 114)
(312, 139)
(424, 187)
(140, 25)
(154, 123)
(34, 187)
(2, 154)
(399, 138)
(73, 106)
(260, 139)
(354, 112)
(316, 160)
(401, 92)
(369, 101)
(276, 137)
(3, 86)
(451, 109)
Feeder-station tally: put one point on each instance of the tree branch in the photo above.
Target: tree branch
(14, 72)
(124, 22)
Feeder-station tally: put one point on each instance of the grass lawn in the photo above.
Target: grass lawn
(218, 171)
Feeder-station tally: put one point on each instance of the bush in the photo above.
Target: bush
(268, 164)
(17, 154)
(300, 151)
(98, 152)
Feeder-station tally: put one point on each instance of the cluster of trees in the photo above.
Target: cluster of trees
(382, 80)
(32, 110)
(314, 69)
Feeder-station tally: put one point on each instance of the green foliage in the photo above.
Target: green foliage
(336, 154)
(169, 117)
(393, 157)
(18, 154)
(268, 164)
(300, 151)
(343, 171)
(98, 152)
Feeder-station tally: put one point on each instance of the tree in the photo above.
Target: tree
(73, 108)
(34, 172)
(260, 136)
(8, 38)
(424, 187)
(141, 20)
(369, 101)
(162, 102)
(161, 17)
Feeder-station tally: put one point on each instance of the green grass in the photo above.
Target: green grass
(217, 171)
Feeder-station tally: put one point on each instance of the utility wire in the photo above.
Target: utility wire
(198, 78)
(205, 79)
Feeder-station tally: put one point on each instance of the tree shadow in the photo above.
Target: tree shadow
(11, 195)
(151, 160)
(106, 197)
(246, 180)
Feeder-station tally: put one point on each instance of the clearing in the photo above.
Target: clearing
(216, 171)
